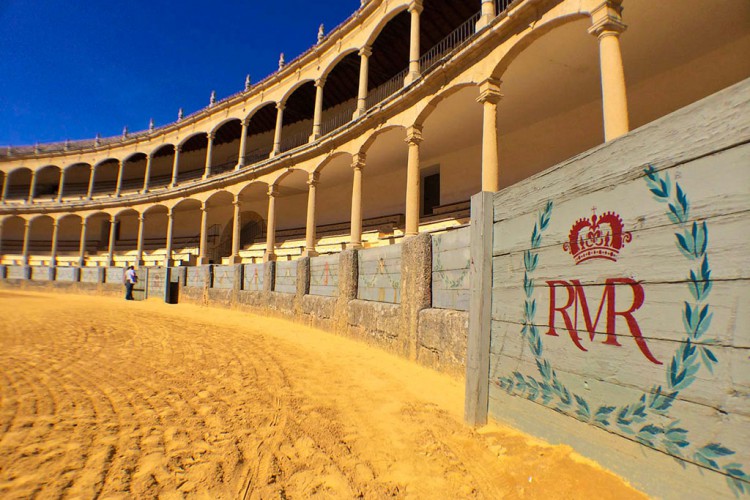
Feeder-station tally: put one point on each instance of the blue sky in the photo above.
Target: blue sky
(70, 69)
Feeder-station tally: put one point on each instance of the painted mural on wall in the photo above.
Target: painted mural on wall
(286, 277)
(252, 278)
(591, 305)
(450, 270)
(379, 277)
(324, 275)
(223, 277)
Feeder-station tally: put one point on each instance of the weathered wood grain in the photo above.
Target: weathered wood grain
(252, 277)
(324, 275)
(285, 280)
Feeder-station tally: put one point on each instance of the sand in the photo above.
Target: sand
(101, 397)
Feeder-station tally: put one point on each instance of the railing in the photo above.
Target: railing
(502, 5)
(340, 119)
(386, 90)
(257, 155)
(190, 175)
(456, 38)
(294, 141)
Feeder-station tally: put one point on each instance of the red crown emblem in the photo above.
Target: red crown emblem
(600, 237)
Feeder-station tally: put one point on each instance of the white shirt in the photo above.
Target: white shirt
(130, 276)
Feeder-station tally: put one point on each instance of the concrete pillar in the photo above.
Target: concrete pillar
(271, 224)
(120, 169)
(147, 176)
(82, 245)
(243, 144)
(364, 72)
(32, 187)
(61, 186)
(312, 182)
(176, 166)
(489, 96)
(170, 231)
(277, 133)
(139, 245)
(209, 155)
(25, 250)
(489, 12)
(318, 115)
(356, 226)
(236, 231)
(112, 234)
(415, 9)
(92, 176)
(53, 252)
(203, 252)
(413, 181)
(607, 26)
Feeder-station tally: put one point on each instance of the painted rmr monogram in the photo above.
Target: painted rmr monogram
(597, 238)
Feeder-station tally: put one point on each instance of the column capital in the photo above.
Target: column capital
(237, 202)
(416, 5)
(141, 218)
(204, 207)
(313, 178)
(113, 218)
(178, 148)
(414, 135)
(170, 213)
(26, 223)
(149, 156)
(358, 161)
(489, 91)
(211, 135)
(280, 106)
(273, 190)
(320, 82)
(245, 122)
(55, 223)
(606, 19)
(365, 51)
(84, 221)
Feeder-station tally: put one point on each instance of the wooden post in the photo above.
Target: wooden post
(480, 311)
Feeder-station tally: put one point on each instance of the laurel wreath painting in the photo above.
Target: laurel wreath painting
(642, 420)
(459, 282)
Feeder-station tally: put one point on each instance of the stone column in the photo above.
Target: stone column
(364, 75)
(489, 96)
(209, 155)
(176, 165)
(415, 9)
(25, 250)
(32, 187)
(488, 14)
(5, 187)
(82, 245)
(312, 182)
(607, 26)
(111, 251)
(147, 176)
(92, 176)
(170, 231)
(277, 133)
(357, 165)
(61, 186)
(139, 245)
(236, 228)
(413, 181)
(53, 252)
(271, 224)
(120, 169)
(203, 253)
(243, 144)
(318, 115)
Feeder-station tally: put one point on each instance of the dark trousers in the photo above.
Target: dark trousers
(129, 291)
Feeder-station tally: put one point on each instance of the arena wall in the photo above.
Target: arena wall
(619, 303)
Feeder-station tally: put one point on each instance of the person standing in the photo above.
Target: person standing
(130, 281)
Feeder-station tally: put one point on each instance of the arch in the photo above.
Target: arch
(430, 106)
(67, 216)
(252, 187)
(373, 136)
(257, 108)
(131, 157)
(106, 160)
(47, 181)
(281, 175)
(37, 217)
(396, 9)
(530, 37)
(184, 141)
(77, 177)
(291, 90)
(330, 158)
(339, 57)
(14, 227)
(156, 208)
(159, 150)
(125, 211)
(224, 122)
(76, 164)
(186, 204)
(217, 197)
(18, 182)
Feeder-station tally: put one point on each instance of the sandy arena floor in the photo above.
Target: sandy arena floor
(104, 398)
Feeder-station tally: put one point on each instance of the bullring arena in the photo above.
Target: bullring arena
(358, 276)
